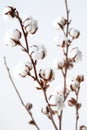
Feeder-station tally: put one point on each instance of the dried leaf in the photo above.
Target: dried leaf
(31, 122)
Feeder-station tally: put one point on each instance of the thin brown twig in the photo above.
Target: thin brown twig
(67, 13)
(24, 34)
(77, 113)
(51, 116)
(19, 96)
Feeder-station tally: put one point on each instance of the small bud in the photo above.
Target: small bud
(80, 78)
(9, 12)
(74, 33)
(29, 106)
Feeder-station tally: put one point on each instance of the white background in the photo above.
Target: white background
(12, 114)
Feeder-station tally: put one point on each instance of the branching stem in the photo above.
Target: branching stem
(19, 96)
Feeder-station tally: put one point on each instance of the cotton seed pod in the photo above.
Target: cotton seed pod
(72, 102)
(80, 78)
(9, 12)
(74, 33)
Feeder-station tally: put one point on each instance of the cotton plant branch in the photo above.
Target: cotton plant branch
(66, 66)
(77, 113)
(77, 106)
(33, 122)
(44, 93)
(67, 46)
(35, 77)
(34, 63)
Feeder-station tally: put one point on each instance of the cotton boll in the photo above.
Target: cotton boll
(61, 41)
(38, 52)
(47, 74)
(59, 23)
(61, 63)
(57, 102)
(23, 68)
(74, 85)
(30, 25)
(12, 37)
(14, 34)
(9, 42)
(74, 33)
(35, 56)
(42, 51)
(75, 54)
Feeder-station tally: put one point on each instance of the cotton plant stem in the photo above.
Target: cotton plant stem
(66, 55)
(67, 17)
(51, 116)
(77, 114)
(18, 94)
(67, 47)
(60, 120)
